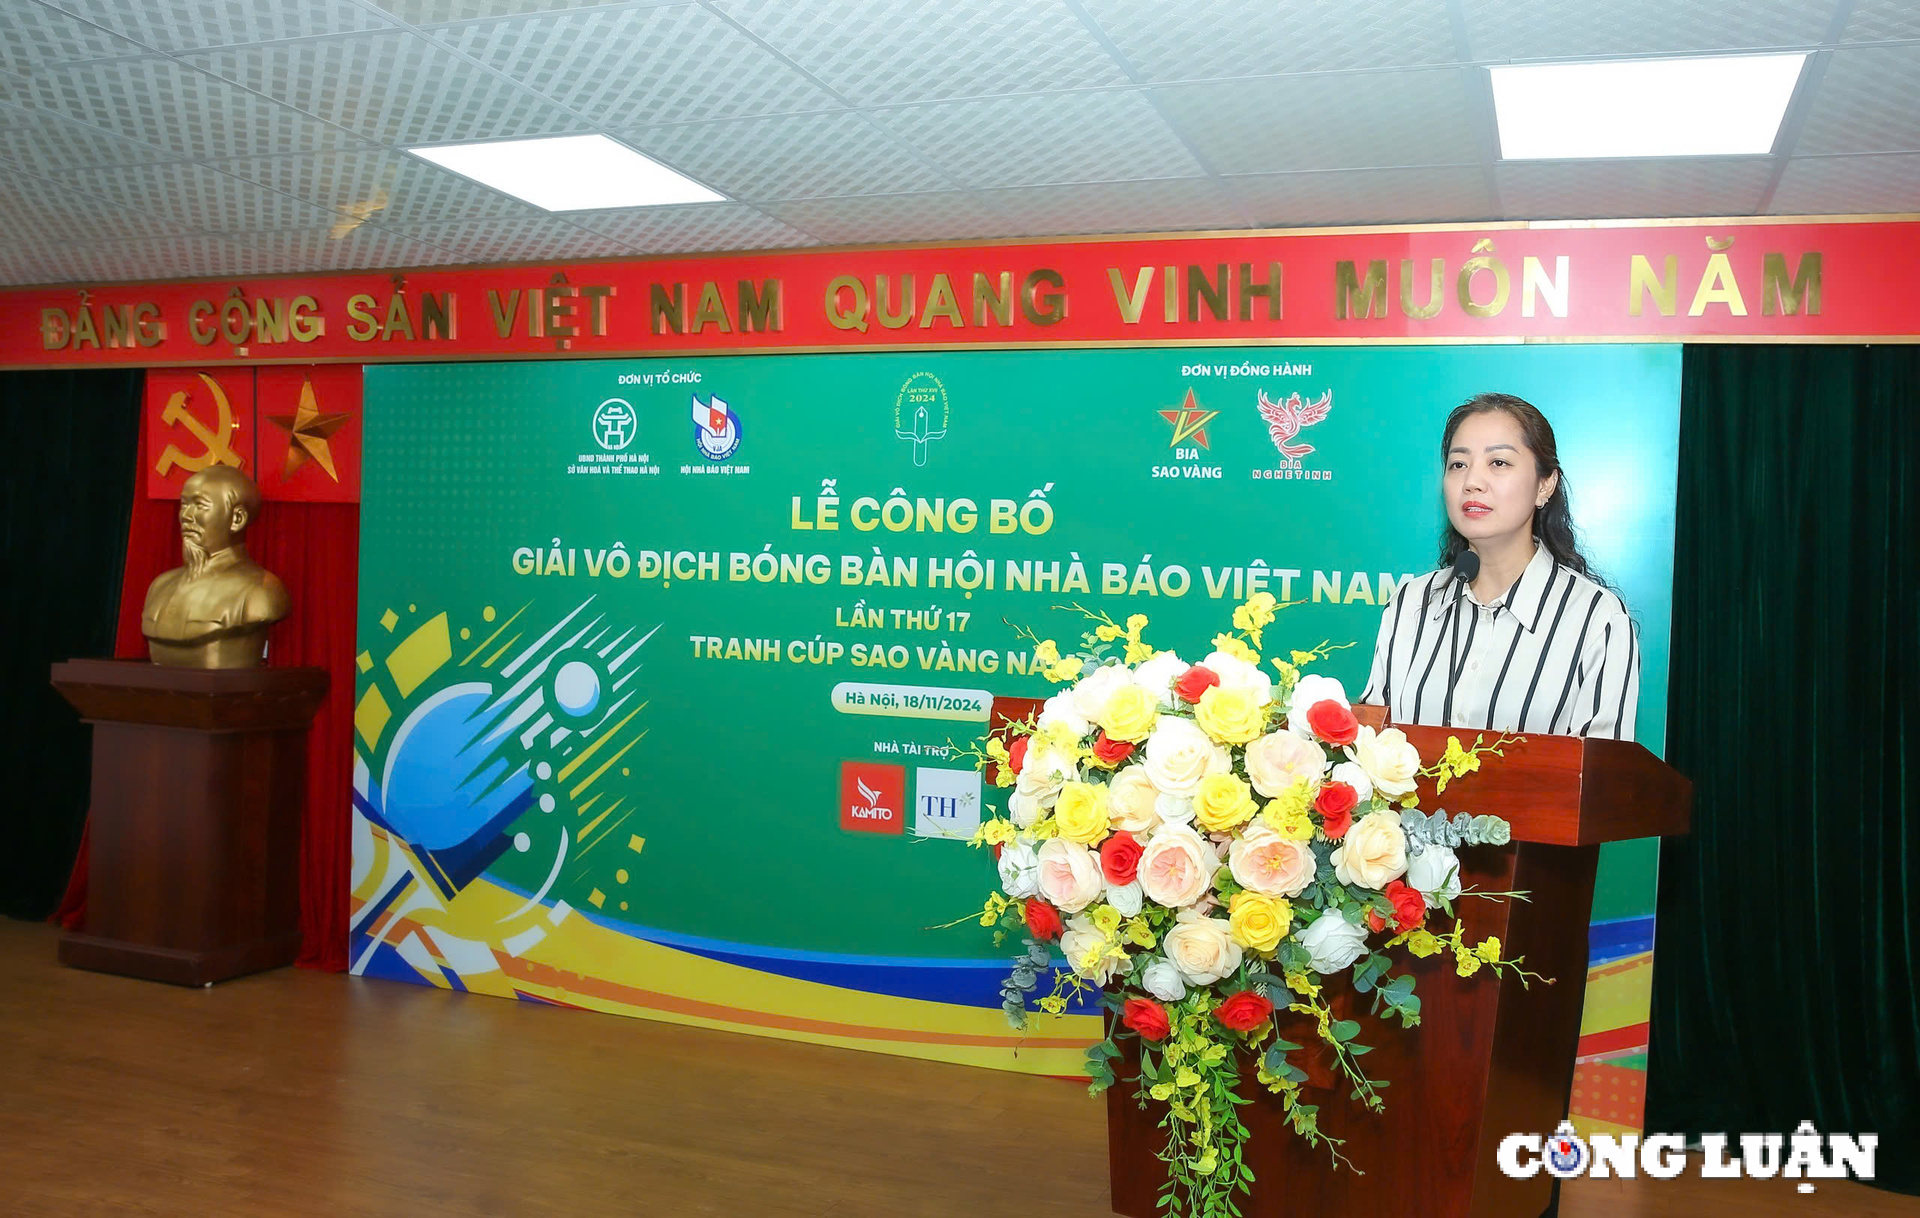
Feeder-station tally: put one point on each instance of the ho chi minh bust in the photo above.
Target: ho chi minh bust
(214, 611)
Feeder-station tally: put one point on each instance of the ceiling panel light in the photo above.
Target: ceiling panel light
(570, 173)
(1721, 106)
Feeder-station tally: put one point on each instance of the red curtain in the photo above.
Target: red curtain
(315, 550)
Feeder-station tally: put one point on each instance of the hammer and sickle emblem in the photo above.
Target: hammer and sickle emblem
(217, 444)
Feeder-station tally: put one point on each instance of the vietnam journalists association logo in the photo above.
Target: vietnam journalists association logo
(716, 428)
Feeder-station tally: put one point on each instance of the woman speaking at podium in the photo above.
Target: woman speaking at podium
(1514, 632)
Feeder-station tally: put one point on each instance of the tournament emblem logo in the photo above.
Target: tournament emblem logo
(1288, 418)
(615, 424)
(920, 413)
(1566, 1154)
(716, 428)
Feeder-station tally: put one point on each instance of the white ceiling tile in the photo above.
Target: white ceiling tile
(38, 263)
(195, 256)
(363, 247)
(1589, 190)
(1107, 135)
(173, 106)
(1499, 30)
(1848, 185)
(395, 87)
(640, 66)
(1168, 205)
(942, 216)
(33, 36)
(1854, 108)
(796, 156)
(531, 238)
(695, 228)
(1343, 121)
(1213, 39)
(181, 25)
(443, 12)
(35, 210)
(43, 143)
(877, 51)
(374, 182)
(1882, 21)
(196, 197)
(1364, 196)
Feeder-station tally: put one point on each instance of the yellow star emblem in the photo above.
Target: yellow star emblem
(307, 431)
(1189, 422)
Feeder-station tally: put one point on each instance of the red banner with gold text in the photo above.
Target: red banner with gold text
(1827, 280)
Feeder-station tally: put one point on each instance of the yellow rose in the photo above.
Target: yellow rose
(1221, 802)
(1129, 714)
(1081, 813)
(1287, 815)
(1258, 922)
(1231, 716)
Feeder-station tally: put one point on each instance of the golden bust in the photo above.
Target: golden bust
(214, 611)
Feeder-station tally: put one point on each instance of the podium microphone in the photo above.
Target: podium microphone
(1465, 567)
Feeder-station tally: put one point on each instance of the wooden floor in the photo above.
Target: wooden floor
(298, 1093)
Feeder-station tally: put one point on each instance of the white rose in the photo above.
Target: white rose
(1435, 874)
(1161, 979)
(1024, 810)
(1157, 676)
(1278, 760)
(1089, 695)
(1019, 870)
(1069, 875)
(1130, 802)
(1236, 673)
(1124, 897)
(1388, 760)
(1081, 939)
(1045, 772)
(1354, 777)
(1333, 943)
(1177, 866)
(1374, 852)
(1178, 755)
(1306, 693)
(1058, 711)
(1200, 948)
(1173, 810)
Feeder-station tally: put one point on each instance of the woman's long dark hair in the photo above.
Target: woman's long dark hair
(1553, 524)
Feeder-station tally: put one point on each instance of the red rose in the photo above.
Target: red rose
(1110, 753)
(1120, 858)
(1243, 1012)
(1332, 722)
(1374, 920)
(1194, 682)
(1409, 907)
(1043, 920)
(1335, 804)
(1017, 754)
(1146, 1017)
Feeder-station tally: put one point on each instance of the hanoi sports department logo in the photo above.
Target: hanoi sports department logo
(615, 424)
(873, 797)
(716, 428)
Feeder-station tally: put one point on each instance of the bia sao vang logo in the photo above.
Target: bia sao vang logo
(1289, 417)
(1190, 422)
(872, 797)
(615, 424)
(716, 428)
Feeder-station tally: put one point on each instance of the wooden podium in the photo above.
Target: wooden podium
(199, 780)
(1489, 1057)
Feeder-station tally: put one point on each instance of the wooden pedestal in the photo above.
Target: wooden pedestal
(199, 780)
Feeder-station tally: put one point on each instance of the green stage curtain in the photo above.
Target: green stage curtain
(1789, 921)
(68, 442)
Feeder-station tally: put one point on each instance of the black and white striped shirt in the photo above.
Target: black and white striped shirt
(1557, 654)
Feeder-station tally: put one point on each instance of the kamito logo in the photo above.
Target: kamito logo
(872, 797)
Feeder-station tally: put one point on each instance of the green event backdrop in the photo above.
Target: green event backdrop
(735, 786)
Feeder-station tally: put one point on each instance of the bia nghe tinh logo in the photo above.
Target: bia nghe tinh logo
(1805, 1154)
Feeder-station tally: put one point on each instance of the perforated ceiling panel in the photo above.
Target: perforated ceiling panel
(208, 138)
